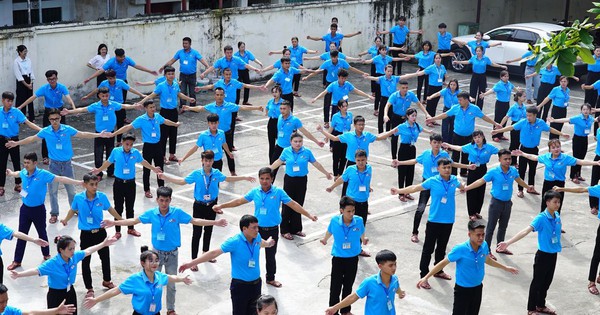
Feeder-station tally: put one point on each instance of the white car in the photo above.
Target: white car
(515, 39)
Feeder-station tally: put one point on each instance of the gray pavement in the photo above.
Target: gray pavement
(304, 264)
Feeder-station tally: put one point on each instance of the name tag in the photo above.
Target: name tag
(90, 220)
(23, 193)
(160, 236)
(477, 164)
(207, 197)
(434, 169)
(444, 200)
(280, 134)
(440, 80)
(112, 98)
(216, 150)
(153, 135)
(296, 168)
(505, 187)
(293, 58)
(586, 131)
(152, 308)
(262, 210)
(346, 245)
(4, 125)
(362, 188)
(389, 305)
(59, 146)
(105, 118)
(185, 62)
(554, 239)
(126, 171)
(551, 174)
(251, 263)
(169, 100)
(288, 79)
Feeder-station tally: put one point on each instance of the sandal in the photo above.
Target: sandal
(194, 269)
(492, 256)
(533, 191)
(443, 275)
(287, 236)
(274, 283)
(409, 197)
(575, 180)
(148, 194)
(13, 266)
(402, 198)
(473, 217)
(301, 234)
(594, 211)
(425, 285)
(545, 310)
(520, 194)
(505, 252)
(414, 238)
(593, 289)
(18, 188)
(53, 219)
(2, 191)
(364, 253)
(89, 294)
(45, 161)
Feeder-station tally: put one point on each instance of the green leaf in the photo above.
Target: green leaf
(567, 55)
(543, 63)
(566, 68)
(594, 11)
(585, 36)
(585, 55)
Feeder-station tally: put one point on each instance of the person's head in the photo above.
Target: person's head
(504, 157)
(219, 95)
(531, 113)
(333, 28)
(128, 141)
(360, 157)
(213, 121)
(347, 208)
(103, 94)
(382, 50)
(442, 27)
(228, 50)
(286, 52)
(388, 70)
(111, 76)
(30, 161)
(478, 35)
(586, 108)
(334, 20)
(186, 43)
(169, 73)
(564, 81)
(401, 20)
(22, 51)
(411, 115)
(334, 55)
(444, 166)
(453, 84)
(102, 49)
(294, 41)
(120, 54)
(241, 46)
(402, 86)
(285, 108)
(265, 177)
(65, 245)
(3, 297)
(208, 158)
(386, 261)
(333, 46)
(285, 62)
(51, 77)
(266, 305)
(549, 66)
(479, 51)
(520, 97)
(90, 182)
(476, 233)
(227, 74)
(437, 59)
(163, 197)
(7, 99)
(297, 140)
(552, 199)
(249, 226)
(478, 137)
(378, 41)
(435, 140)
(597, 51)
(426, 45)
(342, 105)
(276, 91)
(150, 107)
(359, 123)
(554, 146)
(342, 76)
(54, 117)
(149, 259)
(504, 75)
(463, 99)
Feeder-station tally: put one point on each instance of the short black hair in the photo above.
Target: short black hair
(164, 191)
(444, 161)
(360, 153)
(207, 155)
(476, 224)
(119, 52)
(532, 110)
(3, 288)
(551, 194)
(53, 111)
(342, 73)
(110, 73)
(228, 47)
(442, 25)
(464, 95)
(384, 256)
(212, 117)
(102, 90)
(148, 102)
(503, 152)
(246, 220)
(31, 156)
(285, 59)
(219, 89)
(333, 25)
(346, 201)
(358, 119)
(50, 73)
(435, 137)
(87, 177)
(334, 53)
(169, 69)
(401, 18)
(7, 95)
(129, 136)
(187, 39)
(265, 170)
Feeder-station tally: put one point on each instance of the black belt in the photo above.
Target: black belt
(124, 181)
(268, 228)
(94, 231)
(253, 282)
(204, 203)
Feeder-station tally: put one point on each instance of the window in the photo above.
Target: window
(522, 36)
(48, 15)
(501, 34)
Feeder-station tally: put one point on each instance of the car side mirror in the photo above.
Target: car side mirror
(486, 37)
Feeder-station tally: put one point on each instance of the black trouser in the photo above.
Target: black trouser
(432, 103)
(500, 111)
(406, 173)
(326, 107)
(580, 145)
(270, 252)
(296, 81)
(593, 264)
(325, 78)
(290, 98)
(124, 192)
(543, 273)
(446, 61)
(361, 209)
(557, 113)
(121, 114)
(89, 239)
(591, 96)
(152, 152)
(343, 274)
(244, 77)
(100, 78)
(276, 154)
(475, 196)
(374, 85)
(204, 211)
(395, 121)
(169, 131)
(523, 163)
(447, 127)
(467, 300)
(436, 237)
(594, 182)
(218, 164)
(136, 313)
(478, 85)
(55, 297)
(229, 140)
(339, 155)
(295, 187)
(46, 123)
(382, 103)
(377, 101)
(547, 186)
(422, 84)
(1, 270)
(423, 200)
(15, 157)
(397, 64)
(543, 92)
(244, 295)
(187, 86)
(272, 135)
(345, 185)
(515, 140)
(103, 146)
(457, 156)
(23, 93)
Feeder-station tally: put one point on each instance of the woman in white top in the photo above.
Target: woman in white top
(98, 61)
(24, 74)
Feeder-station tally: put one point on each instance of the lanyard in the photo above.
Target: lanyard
(565, 94)
(296, 155)
(414, 135)
(587, 122)
(478, 152)
(284, 121)
(361, 180)
(386, 289)
(56, 134)
(30, 179)
(152, 288)
(506, 176)
(67, 268)
(346, 229)
(250, 249)
(6, 114)
(152, 122)
(126, 158)
(532, 126)
(507, 88)
(359, 139)
(434, 158)
(163, 219)
(265, 194)
(464, 113)
(446, 185)
(207, 184)
(105, 109)
(213, 139)
(91, 204)
(170, 89)
(439, 71)
(554, 161)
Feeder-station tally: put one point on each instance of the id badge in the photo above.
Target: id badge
(152, 308)
(477, 164)
(169, 100)
(389, 305)
(505, 187)
(153, 135)
(586, 131)
(216, 150)
(185, 62)
(551, 174)
(262, 210)
(362, 188)
(287, 80)
(251, 263)
(59, 146)
(112, 98)
(207, 197)
(90, 220)
(554, 239)
(296, 168)
(126, 171)
(23, 193)
(440, 80)
(293, 58)
(280, 134)
(434, 169)
(105, 118)
(160, 236)
(346, 245)
(444, 200)
(4, 125)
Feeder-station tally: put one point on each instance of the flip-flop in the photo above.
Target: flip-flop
(545, 310)
(425, 285)
(287, 236)
(593, 289)
(414, 238)
(194, 269)
(443, 275)
(301, 234)
(363, 253)
(212, 261)
(505, 252)
(275, 283)
(520, 194)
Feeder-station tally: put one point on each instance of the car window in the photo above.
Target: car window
(522, 36)
(501, 34)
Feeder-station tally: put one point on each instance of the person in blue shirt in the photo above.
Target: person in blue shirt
(232, 62)
(146, 286)
(244, 248)
(470, 258)
(532, 83)
(445, 40)
(400, 32)
(503, 90)
(549, 78)
(166, 233)
(297, 54)
(105, 119)
(348, 231)
(333, 37)
(516, 113)
(326, 56)
(7, 233)
(266, 305)
(593, 88)
(150, 125)
(478, 42)
(206, 194)
(387, 85)
(286, 53)
(502, 178)
(5, 309)
(548, 225)
(9, 130)
(593, 75)
(425, 58)
(560, 97)
(595, 176)
(340, 122)
(60, 150)
(53, 94)
(243, 73)
(267, 200)
(33, 194)
(441, 215)
(285, 77)
(272, 111)
(379, 289)
(296, 158)
(374, 51)
(212, 139)
(450, 96)
(60, 288)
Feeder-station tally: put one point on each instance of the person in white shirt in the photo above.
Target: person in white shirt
(98, 61)
(24, 74)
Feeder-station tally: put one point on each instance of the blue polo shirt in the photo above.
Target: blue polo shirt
(400, 33)
(378, 294)
(206, 186)
(10, 121)
(409, 134)
(473, 45)
(339, 92)
(266, 205)
(380, 62)
(285, 128)
(89, 212)
(297, 53)
(373, 51)
(531, 62)
(355, 142)
(297, 162)
(234, 64)
(332, 69)
(9, 310)
(247, 57)
(435, 74)
(517, 112)
(480, 65)
(188, 60)
(224, 112)
(470, 263)
(327, 56)
(340, 123)
(596, 85)
(503, 91)
(272, 108)
(531, 133)
(359, 182)
(549, 76)
(443, 201)
(285, 78)
(208, 141)
(150, 127)
(429, 162)
(245, 256)
(145, 292)
(61, 274)
(502, 183)
(115, 90)
(387, 86)
(125, 162)
(230, 89)
(479, 156)
(119, 67)
(424, 60)
(444, 41)
(53, 97)
(582, 126)
(293, 64)
(35, 186)
(401, 103)
(160, 80)
(594, 191)
(328, 39)
(346, 238)
(559, 97)
(104, 116)
(166, 233)
(168, 94)
(464, 121)
(450, 99)
(59, 143)
(594, 67)
(597, 151)
(556, 168)
(6, 233)
(549, 230)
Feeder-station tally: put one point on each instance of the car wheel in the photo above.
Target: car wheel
(460, 54)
